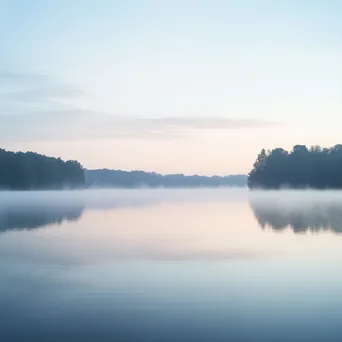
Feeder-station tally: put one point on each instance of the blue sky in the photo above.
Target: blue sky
(171, 86)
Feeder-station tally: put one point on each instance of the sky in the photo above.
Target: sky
(191, 86)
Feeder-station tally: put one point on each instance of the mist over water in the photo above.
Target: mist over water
(301, 211)
(170, 265)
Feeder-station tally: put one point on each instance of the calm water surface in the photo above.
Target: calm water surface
(171, 265)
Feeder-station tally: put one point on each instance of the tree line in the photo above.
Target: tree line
(314, 167)
(33, 171)
(135, 179)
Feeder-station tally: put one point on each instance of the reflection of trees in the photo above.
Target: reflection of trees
(311, 216)
(35, 216)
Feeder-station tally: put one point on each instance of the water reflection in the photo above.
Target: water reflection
(167, 266)
(30, 210)
(15, 217)
(25, 211)
(280, 211)
(128, 225)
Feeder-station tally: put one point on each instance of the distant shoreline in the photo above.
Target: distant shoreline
(105, 178)
(30, 171)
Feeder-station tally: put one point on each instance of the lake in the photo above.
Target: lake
(171, 265)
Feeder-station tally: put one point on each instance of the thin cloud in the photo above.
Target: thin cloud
(23, 77)
(17, 89)
(208, 122)
(76, 124)
(35, 107)
(43, 93)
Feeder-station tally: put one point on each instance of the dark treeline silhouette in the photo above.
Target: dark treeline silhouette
(314, 167)
(135, 179)
(312, 216)
(31, 171)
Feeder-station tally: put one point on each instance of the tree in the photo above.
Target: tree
(315, 167)
(28, 171)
